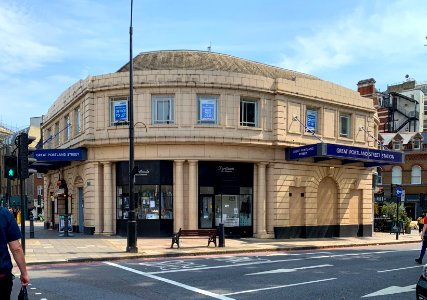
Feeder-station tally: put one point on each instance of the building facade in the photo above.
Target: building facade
(211, 136)
(410, 175)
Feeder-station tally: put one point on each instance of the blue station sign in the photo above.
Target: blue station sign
(371, 157)
(60, 154)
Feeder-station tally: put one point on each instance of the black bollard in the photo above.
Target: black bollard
(221, 235)
(31, 227)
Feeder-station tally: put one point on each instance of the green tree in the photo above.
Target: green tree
(389, 210)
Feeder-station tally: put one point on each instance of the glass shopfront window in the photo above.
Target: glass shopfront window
(150, 203)
(153, 190)
(225, 197)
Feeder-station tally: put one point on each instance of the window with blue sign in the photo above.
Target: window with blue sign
(119, 110)
(248, 113)
(163, 109)
(311, 120)
(208, 109)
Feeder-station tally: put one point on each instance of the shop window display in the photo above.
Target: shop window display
(152, 202)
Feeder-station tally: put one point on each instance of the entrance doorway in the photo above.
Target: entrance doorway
(206, 216)
(234, 211)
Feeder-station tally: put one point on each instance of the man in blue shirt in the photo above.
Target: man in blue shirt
(9, 236)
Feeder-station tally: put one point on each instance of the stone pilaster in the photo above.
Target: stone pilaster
(178, 207)
(192, 195)
(108, 199)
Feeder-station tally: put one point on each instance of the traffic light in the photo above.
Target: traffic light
(23, 160)
(10, 167)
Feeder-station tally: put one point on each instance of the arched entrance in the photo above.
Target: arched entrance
(327, 202)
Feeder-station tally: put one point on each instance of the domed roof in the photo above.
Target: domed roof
(209, 61)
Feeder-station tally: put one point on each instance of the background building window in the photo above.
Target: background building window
(39, 190)
(163, 109)
(416, 175)
(207, 109)
(396, 175)
(345, 125)
(248, 113)
(396, 145)
(119, 111)
(379, 176)
(416, 144)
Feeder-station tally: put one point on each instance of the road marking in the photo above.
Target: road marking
(392, 270)
(173, 265)
(279, 287)
(288, 270)
(296, 254)
(393, 290)
(277, 261)
(184, 286)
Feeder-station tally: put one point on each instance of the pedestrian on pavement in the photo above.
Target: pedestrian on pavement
(9, 236)
(420, 222)
(424, 243)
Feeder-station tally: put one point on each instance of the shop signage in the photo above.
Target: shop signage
(60, 154)
(143, 172)
(345, 152)
(225, 169)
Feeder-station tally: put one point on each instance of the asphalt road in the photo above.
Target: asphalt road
(380, 272)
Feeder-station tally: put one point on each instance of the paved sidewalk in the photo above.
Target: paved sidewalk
(48, 247)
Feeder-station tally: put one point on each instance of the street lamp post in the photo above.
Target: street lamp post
(131, 225)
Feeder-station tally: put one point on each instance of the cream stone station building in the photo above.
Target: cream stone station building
(265, 151)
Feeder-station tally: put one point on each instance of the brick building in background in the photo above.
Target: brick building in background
(402, 113)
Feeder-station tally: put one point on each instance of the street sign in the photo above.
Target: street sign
(399, 191)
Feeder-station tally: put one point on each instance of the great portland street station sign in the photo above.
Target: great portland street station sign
(60, 154)
(322, 151)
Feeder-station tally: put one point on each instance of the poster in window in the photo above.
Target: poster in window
(207, 110)
(311, 120)
(120, 109)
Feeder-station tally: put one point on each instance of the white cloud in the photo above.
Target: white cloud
(20, 48)
(389, 32)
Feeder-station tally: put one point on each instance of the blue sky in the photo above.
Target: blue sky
(45, 46)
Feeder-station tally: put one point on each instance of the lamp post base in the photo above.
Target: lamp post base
(131, 245)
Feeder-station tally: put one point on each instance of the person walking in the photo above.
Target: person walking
(420, 222)
(9, 237)
(424, 243)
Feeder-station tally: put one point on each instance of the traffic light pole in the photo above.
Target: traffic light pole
(23, 209)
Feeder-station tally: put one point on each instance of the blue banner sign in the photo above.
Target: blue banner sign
(365, 154)
(207, 109)
(60, 154)
(303, 152)
(120, 111)
(311, 120)
(345, 152)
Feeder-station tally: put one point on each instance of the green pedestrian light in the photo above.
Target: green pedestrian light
(10, 167)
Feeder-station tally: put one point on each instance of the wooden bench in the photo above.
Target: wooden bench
(210, 233)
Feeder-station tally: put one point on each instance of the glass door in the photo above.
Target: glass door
(206, 213)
